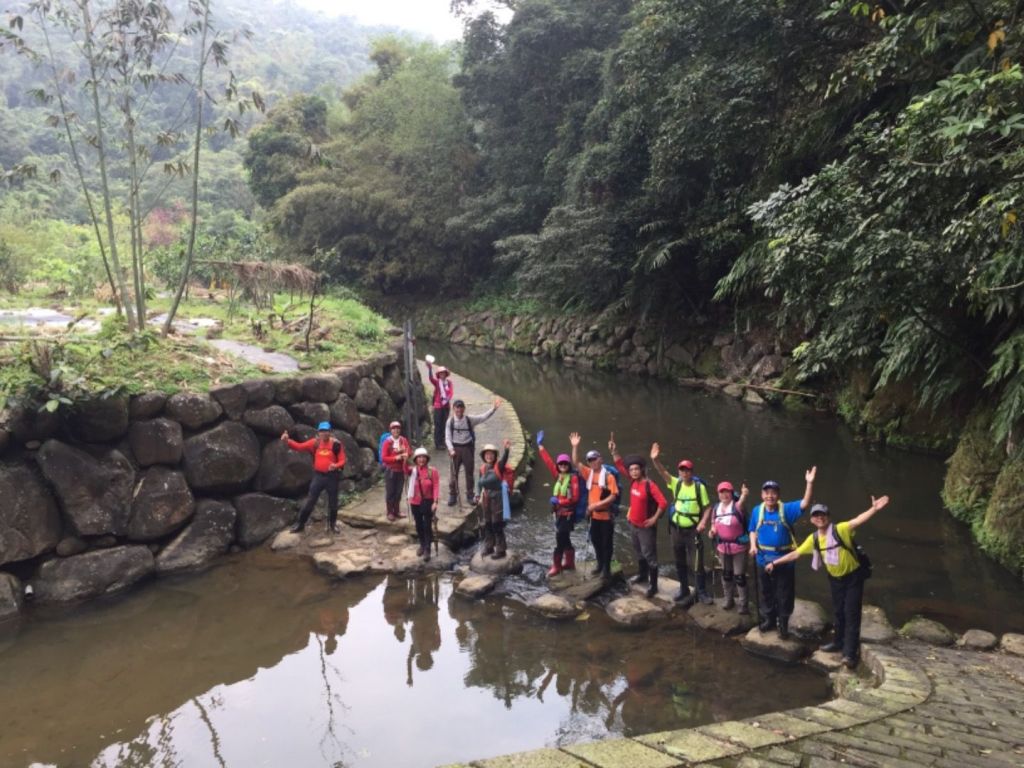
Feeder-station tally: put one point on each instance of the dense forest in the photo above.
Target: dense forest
(848, 171)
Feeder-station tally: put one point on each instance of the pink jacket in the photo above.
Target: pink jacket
(443, 389)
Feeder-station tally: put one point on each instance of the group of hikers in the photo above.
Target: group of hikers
(591, 490)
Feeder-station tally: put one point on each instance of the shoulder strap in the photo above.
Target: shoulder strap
(336, 446)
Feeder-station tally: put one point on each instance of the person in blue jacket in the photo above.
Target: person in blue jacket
(771, 537)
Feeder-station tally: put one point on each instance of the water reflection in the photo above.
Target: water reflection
(264, 662)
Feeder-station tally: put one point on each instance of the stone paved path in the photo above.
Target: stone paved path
(933, 707)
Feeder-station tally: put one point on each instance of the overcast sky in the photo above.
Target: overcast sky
(425, 17)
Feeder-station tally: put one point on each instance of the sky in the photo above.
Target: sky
(425, 17)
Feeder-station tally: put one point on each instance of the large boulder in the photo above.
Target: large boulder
(146, 406)
(476, 586)
(927, 631)
(94, 573)
(233, 398)
(10, 596)
(977, 640)
(345, 414)
(223, 459)
(259, 392)
(162, 503)
(369, 431)
(485, 564)
(368, 395)
(29, 518)
(1013, 643)
(94, 493)
(349, 377)
(272, 420)
(208, 536)
(194, 411)
(717, 619)
(156, 441)
(354, 459)
(394, 384)
(1002, 529)
(387, 411)
(99, 420)
(321, 388)
(287, 391)
(261, 516)
(29, 424)
(310, 413)
(283, 472)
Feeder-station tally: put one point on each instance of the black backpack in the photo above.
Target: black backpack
(863, 561)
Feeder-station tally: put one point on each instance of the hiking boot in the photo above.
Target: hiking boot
(832, 647)
(426, 555)
(687, 601)
(297, 528)
(767, 624)
(452, 500)
(849, 662)
(606, 573)
(784, 627)
(744, 609)
(419, 551)
(641, 575)
(653, 589)
(336, 528)
(705, 598)
(598, 568)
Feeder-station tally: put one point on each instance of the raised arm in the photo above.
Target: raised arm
(655, 453)
(867, 514)
(477, 419)
(809, 476)
(574, 441)
(548, 461)
(430, 374)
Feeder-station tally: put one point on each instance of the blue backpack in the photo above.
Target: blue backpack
(581, 506)
(380, 448)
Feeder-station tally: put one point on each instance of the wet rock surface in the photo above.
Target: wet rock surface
(476, 585)
(771, 646)
(809, 620)
(92, 574)
(635, 611)
(875, 626)
(977, 640)
(511, 563)
(554, 607)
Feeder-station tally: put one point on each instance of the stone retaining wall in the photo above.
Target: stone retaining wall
(102, 494)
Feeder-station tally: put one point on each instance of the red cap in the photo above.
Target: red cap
(685, 464)
(725, 485)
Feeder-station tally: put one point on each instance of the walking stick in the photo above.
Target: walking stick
(433, 524)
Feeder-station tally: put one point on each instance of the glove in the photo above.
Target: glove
(540, 437)
(554, 501)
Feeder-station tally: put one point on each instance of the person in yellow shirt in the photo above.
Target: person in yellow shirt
(833, 545)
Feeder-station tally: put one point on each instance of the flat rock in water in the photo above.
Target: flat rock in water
(826, 662)
(977, 640)
(207, 537)
(286, 540)
(341, 564)
(580, 584)
(1013, 643)
(634, 611)
(407, 561)
(397, 540)
(717, 619)
(667, 589)
(476, 586)
(809, 620)
(91, 574)
(927, 631)
(875, 626)
(320, 542)
(771, 646)
(554, 607)
(510, 563)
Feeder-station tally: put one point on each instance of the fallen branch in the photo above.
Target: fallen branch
(781, 390)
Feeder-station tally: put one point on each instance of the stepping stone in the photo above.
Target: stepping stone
(286, 540)
(634, 611)
(579, 585)
(1012, 643)
(714, 618)
(875, 626)
(510, 563)
(771, 646)
(554, 607)
(667, 589)
(407, 561)
(826, 662)
(927, 631)
(341, 564)
(809, 620)
(977, 640)
(320, 542)
(397, 540)
(476, 586)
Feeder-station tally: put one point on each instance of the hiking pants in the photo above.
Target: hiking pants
(492, 522)
(424, 517)
(563, 541)
(847, 600)
(440, 417)
(602, 534)
(322, 481)
(394, 483)
(645, 544)
(778, 591)
(685, 544)
(464, 457)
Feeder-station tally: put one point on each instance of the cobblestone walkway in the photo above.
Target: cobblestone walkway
(933, 707)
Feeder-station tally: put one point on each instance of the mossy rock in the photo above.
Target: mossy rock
(972, 469)
(1002, 531)
(709, 362)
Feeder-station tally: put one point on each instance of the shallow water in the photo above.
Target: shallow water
(924, 560)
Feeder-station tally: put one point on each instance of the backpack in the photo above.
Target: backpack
(698, 483)
(785, 524)
(863, 561)
(581, 505)
(743, 538)
(380, 448)
(615, 505)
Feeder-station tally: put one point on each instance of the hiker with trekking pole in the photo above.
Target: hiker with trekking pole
(460, 440)
(729, 536)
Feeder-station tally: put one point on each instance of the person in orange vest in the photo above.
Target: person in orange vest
(602, 494)
(328, 460)
(394, 453)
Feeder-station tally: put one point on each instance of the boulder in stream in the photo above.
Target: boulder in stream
(554, 607)
(342, 564)
(261, 516)
(927, 631)
(1012, 642)
(92, 574)
(716, 619)
(809, 620)
(10, 596)
(207, 537)
(875, 626)
(511, 563)
(977, 640)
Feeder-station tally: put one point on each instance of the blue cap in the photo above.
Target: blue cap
(324, 425)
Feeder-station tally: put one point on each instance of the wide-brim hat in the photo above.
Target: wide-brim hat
(489, 447)
(421, 451)
(442, 371)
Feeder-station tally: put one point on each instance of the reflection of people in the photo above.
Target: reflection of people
(333, 623)
(328, 460)
(834, 545)
(396, 605)
(424, 631)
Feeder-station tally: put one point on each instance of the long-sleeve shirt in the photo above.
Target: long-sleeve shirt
(567, 488)
(324, 453)
(460, 431)
(492, 475)
(443, 388)
(424, 485)
(645, 497)
(391, 450)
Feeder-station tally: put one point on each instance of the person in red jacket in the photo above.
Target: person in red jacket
(424, 489)
(328, 460)
(394, 453)
(444, 391)
(565, 496)
(646, 506)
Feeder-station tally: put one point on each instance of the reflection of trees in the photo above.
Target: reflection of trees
(331, 742)
(214, 736)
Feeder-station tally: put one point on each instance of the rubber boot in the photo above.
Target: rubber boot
(642, 573)
(452, 499)
(767, 622)
(499, 541)
(683, 595)
(784, 627)
(744, 600)
(729, 588)
(653, 589)
(569, 560)
(556, 564)
(702, 589)
(488, 540)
